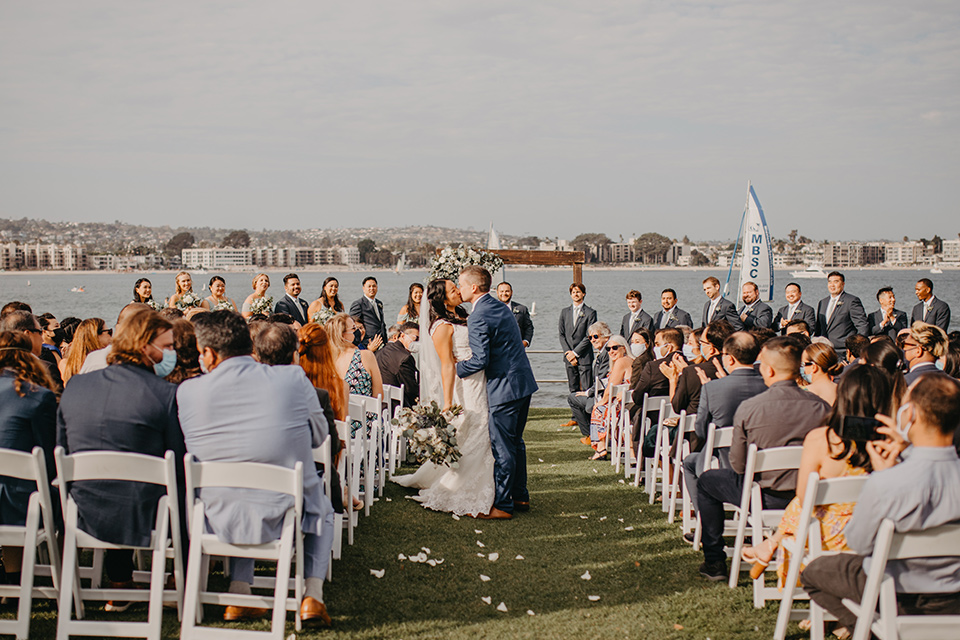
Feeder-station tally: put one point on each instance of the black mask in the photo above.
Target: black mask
(59, 335)
(356, 336)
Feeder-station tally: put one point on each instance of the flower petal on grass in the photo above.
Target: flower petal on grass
(401, 557)
(583, 517)
(586, 576)
(540, 459)
(493, 557)
(389, 499)
(628, 528)
(621, 481)
(432, 562)
(455, 516)
(425, 550)
(484, 578)
(519, 558)
(487, 599)
(480, 544)
(502, 607)
(377, 573)
(530, 612)
(477, 531)
(480, 555)
(593, 598)
(595, 471)
(603, 518)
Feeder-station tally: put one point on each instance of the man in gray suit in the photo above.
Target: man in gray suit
(577, 352)
(581, 402)
(930, 309)
(754, 313)
(670, 315)
(887, 320)
(840, 315)
(636, 318)
(795, 309)
(717, 306)
(520, 312)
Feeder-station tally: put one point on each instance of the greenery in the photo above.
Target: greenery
(236, 239)
(178, 243)
(646, 578)
(652, 248)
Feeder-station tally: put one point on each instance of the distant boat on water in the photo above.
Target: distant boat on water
(77, 290)
(533, 309)
(401, 263)
(813, 271)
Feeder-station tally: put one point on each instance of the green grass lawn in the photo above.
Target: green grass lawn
(646, 578)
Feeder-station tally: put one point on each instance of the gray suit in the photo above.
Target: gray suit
(938, 315)
(676, 317)
(582, 406)
(573, 337)
(760, 316)
(643, 321)
(876, 326)
(725, 310)
(848, 318)
(803, 312)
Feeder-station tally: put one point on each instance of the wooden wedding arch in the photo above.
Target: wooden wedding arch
(544, 259)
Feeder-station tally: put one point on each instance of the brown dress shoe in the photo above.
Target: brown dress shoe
(572, 423)
(314, 612)
(232, 613)
(495, 514)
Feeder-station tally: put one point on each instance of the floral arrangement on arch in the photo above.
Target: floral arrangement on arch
(323, 316)
(262, 305)
(430, 433)
(188, 300)
(450, 262)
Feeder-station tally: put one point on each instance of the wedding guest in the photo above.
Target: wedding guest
(410, 312)
(97, 414)
(717, 306)
(951, 360)
(328, 304)
(923, 346)
(686, 390)
(397, 365)
(670, 315)
(885, 355)
(217, 298)
(16, 305)
(636, 317)
(167, 313)
(795, 309)
(143, 293)
(224, 414)
(652, 381)
(188, 357)
(520, 312)
(887, 320)
(855, 345)
(92, 335)
(51, 339)
(357, 366)
(840, 314)
(291, 303)
(581, 402)
(621, 366)
(754, 313)
(28, 419)
(818, 367)
(96, 360)
(258, 301)
(577, 352)
(780, 416)
(641, 347)
(370, 312)
(26, 323)
(691, 346)
(797, 327)
(360, 335)
(918, 488)
(930, 309)
(183, 285)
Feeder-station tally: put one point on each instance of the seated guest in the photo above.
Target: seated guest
(755, 313)
(188, 358)
(358, 367)
(620, 363)
(922, 347)
(25, 322)
(795, 309)
(855, 345)
(670, 315)
(921, 492)
(635, 318)
(28, 419)
(15, 305)
(652, 381)
(930, 309)
(951, 360)
(762, 334)
(397, 365)
(690, 380)
(92, 335)
(820, 365)
(885, 355)
(127, 406)
(691, 346)
(50, 353)
(581, 402)
(781, 416)
(887, 320)
(224, 414)
(98, 359)
(641, 347)
(797, 326)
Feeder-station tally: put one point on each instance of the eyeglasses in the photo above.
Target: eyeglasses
(109, 332)
(911, 345)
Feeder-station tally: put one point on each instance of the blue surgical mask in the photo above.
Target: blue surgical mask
(805, 376)
(688, 352)
(939, 364)
(167, 364)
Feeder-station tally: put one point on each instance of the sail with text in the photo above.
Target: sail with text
(757, 263)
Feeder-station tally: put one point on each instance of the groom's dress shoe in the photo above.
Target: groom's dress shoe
(495, 514)
(519, 505)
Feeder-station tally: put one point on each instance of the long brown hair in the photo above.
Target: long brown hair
(85, 340)
(139, 330)
(317, 360)
(16, 354)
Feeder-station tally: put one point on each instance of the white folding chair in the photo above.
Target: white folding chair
(164, 543)
(634, 465)
(345, 469)
(806, 545)
(751, 509)
(686, 425)
(717, 438)
(37, 531)
(392, 396)
(654, 469)
(288, 548)
(942, 541)
(324, 455)
(610, 443)
(365, 447)
(621, 448)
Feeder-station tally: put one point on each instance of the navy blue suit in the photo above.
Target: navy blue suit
(848, 318)
(286, 305)
(759, 317)
(675, 317)
(522, 314)
(372, 320)
(803, 312)
(498, 351)
(939, 314)
(725, 309)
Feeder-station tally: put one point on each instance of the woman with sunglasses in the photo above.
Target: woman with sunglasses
(818, 365)
(621, 363)
(91, 335)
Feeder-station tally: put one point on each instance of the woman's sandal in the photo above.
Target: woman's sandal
(600, 455)
(752, 555)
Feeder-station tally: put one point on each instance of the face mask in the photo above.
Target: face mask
(638, 350)
(167, 364)
(939, 364)
(688, 352)
(902, 428)
(806, 378)
(356, 336)
(203, 365)
(415, 347)
(656, 353)
(59, 335)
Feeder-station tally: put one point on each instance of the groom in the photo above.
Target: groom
(498, 351)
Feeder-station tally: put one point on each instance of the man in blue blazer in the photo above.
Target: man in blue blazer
(717, 306)
(670, 315)
(370, 312)
(840, 315)
(290, 303)
(755, 314)
(887, 320)
(930, 309)
(636, 318)
(498, 351)
(795, 309)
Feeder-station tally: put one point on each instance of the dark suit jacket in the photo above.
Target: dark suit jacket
(522, 314)
(720, 398)
(574, 337)
(803, 312)
(848, 318)
(120, 408)
(926, 369)
(651, 380)
(875, 320)
(286, 305)
(677, 317)
(397, 367)
(687, 394)
(726, 310)
(760, 317)
(643, 321)
(601, 369)
(938, 315)
(51, 362)
(374, 324)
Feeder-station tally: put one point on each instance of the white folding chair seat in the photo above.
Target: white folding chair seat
(621, 450)
(654, 470)
(392, 396)
(345, 469)
(164, 543)
(362, 451)
(806, 545)
(288, 548)
(717, 438)
(686, 425)
(612, 422)
(37, 532)
(374, 449)
(324, 455)
(634, 463)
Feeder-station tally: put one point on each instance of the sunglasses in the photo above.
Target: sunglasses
(594, 336)
(613, 347)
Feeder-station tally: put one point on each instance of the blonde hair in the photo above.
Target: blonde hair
(931, 338)
(253, 283)
(176, 281)
(86, 339)
(336, 326)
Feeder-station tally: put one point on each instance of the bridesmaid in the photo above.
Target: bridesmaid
(410, 312)
(184, 286)
(261, 282)
(328, 304)
(217, 298)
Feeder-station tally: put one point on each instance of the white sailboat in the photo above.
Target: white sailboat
(533, 309)
(754, 238)
(401, 263)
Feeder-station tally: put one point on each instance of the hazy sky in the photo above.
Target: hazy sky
(546, 118)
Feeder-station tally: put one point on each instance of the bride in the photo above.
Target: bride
(467, 490)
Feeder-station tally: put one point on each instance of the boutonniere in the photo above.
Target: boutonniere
(839, 303)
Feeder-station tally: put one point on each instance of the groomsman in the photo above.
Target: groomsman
(370, 312)
(291, 303)
(930, 309)
(840, 315)
(717, 306)
(671, 315)
(754, 313)
(578, 354)
(887, 320)
(637, 318)
(795, 309)
(520, 313)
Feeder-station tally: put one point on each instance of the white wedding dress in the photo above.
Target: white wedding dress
(469, 488)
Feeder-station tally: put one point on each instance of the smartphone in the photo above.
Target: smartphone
(860, 429)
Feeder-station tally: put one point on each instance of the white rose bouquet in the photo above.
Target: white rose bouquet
(153, 304)
(451, 261)
(224, 304)
(262, 305)
(323, 316)
(188, 300)
(430, 434)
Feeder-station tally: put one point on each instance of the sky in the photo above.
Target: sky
(542, 118)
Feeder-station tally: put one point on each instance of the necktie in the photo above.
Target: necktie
(664, 319)
(830, 308)
(576, 315)
(793, 310)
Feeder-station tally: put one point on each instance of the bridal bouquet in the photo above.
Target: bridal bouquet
(262, 305)
(451, 261)
(224, 304)
(153, 304)
(429, 433)
(188, 300)
(323, 316)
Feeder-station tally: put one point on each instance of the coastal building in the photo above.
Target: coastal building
(907, 253)
(226, 258)
(951, 251)
(216, 258)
